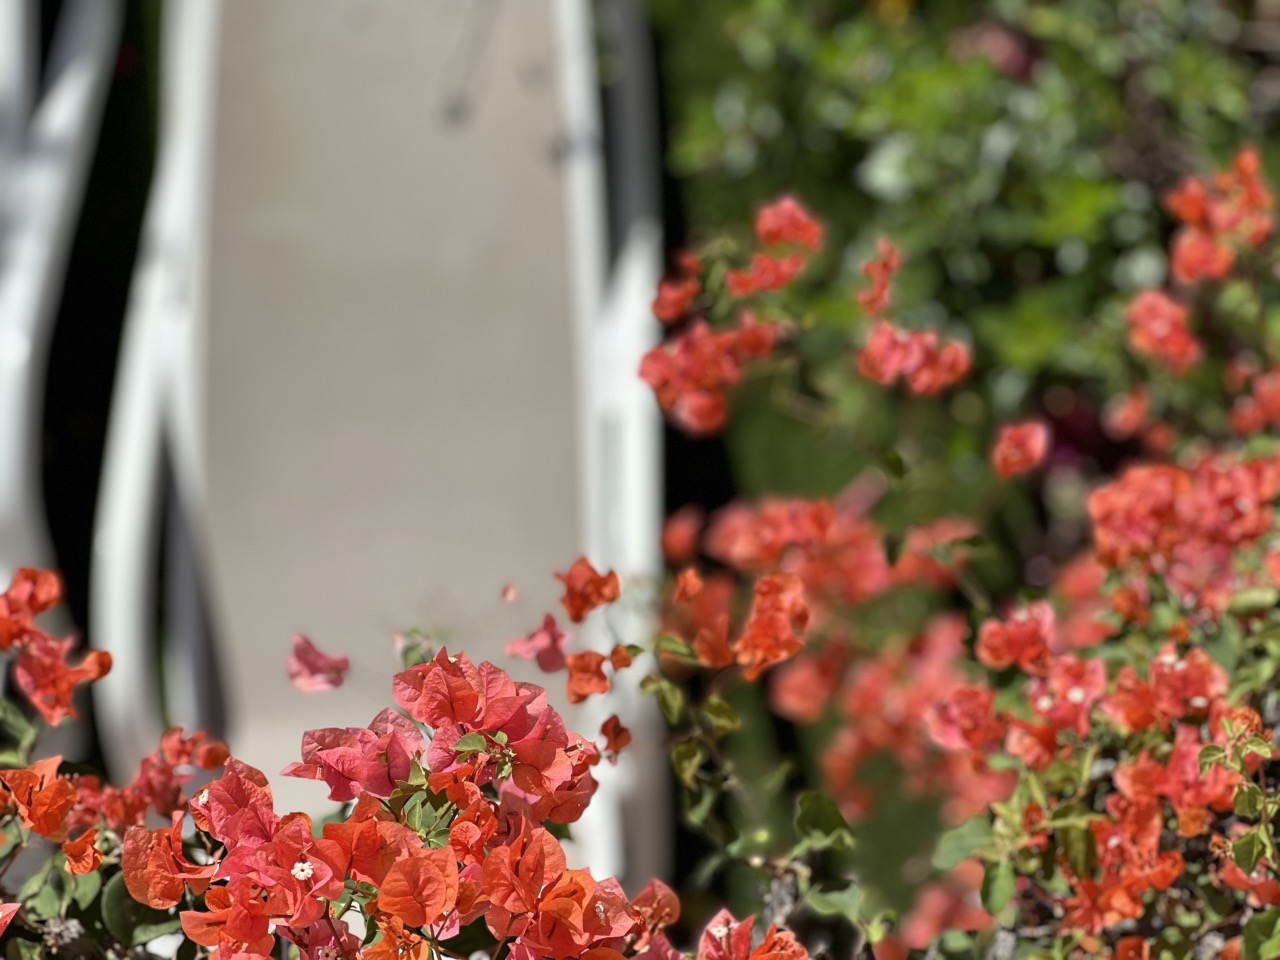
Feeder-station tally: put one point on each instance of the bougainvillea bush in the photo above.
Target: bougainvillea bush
(1083, 767)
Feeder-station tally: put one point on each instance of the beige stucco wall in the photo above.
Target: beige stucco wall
(389, 425)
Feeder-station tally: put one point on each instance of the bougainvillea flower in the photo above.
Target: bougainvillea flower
(1023, 638)
(1158, 329)
(928, 366)
(157, 871)
(237, 809)
(880, 272)
(586, 675)
(1199, 255)
(725, 938)
(774, 627)
(691, 373)
(616, 737)
(1066, 696)
(688, 586)
(680, 533)
(1019, 448)
(371, 845)
(42, 797)
(765, 273)
(515, 873)
(930, 552)
(422, 888)
(658, 907)
(966, 720)
(801, 689)
(545, 645)
(677, 292)
(49, 682)
(1126, 415)
(951, 904)
(787, 222)
(82, 856)
(234, 920)
(585, 588)
(163, 773)
(355, 760)
(318, 941)
(30, 593)
(675, 297)
(779, 945)
(310, 670)
(577, 914)
(7, 912)
(548, 767)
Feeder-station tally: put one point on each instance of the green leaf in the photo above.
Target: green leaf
(1072, 823)
(1258, 746)
(1211, 756)
(1248, 800)
(1254, 600)
(471, 743)
(673, 645)
(19, 949)
(1258, 933)
(39, 895)
(670, 697)
(721, 716)
(17, 735)
(997, 885)
(960, 843)
(131, 922)
(686, 759)
(412, 813)
(819, 824)
(699, 803)
(1247, 851)
(46, 903)
(144, 933)
(85, 889)
(894, 463)
(836, 903)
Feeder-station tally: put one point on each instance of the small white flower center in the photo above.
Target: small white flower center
(302, 870)
(1045, 703)
(1198, 703)
(1075, 695)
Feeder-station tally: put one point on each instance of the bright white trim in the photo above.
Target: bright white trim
(618, 435)
(156, 405)
(42, 190)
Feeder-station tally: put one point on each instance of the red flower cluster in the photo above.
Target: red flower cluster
(1183, 522)
(500, 760)
(879, 271)
(915, 702)
(782, 223)
(585, 588)
(765, 273)
(677, 292)
(1020, 448)
(691, 373)
(915, 356)
(42, 670)
(785, 222)
(1219, 218)
(1158, 329)
(837, 554)
(487, 728)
